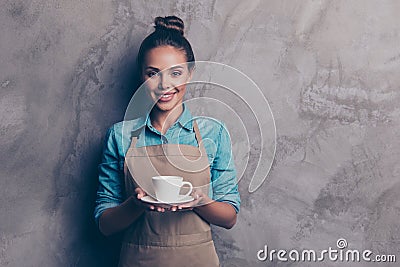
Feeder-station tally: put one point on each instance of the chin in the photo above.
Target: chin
(165, 107)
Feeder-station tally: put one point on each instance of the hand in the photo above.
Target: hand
(199, 199)
(140, 193)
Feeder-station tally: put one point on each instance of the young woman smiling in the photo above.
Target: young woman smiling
(161, 234)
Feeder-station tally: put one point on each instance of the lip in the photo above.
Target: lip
(166, 97)
(166, 93)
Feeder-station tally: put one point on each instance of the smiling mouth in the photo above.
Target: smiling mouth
(166, 97)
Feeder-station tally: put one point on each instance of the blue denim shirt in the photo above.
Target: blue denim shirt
(216, 140)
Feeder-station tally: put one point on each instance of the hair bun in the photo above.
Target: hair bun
(169, 23)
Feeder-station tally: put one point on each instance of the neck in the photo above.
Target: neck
(163, 120)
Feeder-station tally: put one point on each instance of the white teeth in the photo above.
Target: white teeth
(166, 96)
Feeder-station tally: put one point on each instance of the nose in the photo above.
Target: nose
(164, 82)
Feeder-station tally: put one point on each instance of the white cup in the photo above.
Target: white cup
(167, 188)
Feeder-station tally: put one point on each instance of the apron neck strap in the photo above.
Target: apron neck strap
(199, 138)
(197, 133)
(135, 135)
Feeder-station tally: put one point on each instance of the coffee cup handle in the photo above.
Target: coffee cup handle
(190, 189)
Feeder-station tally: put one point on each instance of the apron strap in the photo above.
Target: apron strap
(197, 133)
(135, 135)
(133, 142)
(199, 138)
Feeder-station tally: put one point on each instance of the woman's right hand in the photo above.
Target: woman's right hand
(140, 193)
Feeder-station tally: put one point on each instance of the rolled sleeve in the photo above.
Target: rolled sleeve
(110, 188)
(223, 172)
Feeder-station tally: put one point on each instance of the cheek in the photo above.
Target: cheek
(149, 92)
(184, 79)
(151, 85)
(182, 89)
(182, 84)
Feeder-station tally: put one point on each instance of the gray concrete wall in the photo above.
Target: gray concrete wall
(330, 70)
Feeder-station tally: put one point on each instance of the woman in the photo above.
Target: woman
(166, 235)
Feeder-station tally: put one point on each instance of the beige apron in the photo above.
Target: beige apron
(169, 239)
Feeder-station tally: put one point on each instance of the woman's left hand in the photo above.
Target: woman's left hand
(199, 199)
(215, 212)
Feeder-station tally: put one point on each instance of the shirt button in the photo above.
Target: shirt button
(164, 140)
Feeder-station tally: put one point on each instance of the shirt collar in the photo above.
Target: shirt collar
(185, 120)
(141, 122)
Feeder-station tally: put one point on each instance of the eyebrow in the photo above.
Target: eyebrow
(171, 68)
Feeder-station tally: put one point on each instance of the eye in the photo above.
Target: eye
(151, 73)
(176, 73)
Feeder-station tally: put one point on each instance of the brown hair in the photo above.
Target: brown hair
(168, 31)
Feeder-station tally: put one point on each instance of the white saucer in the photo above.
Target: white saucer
(182, 199)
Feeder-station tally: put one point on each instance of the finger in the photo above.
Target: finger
(137, 192)
(186, 208)
(140, 192)
(190, 204)
(183, 206)
(160, 209)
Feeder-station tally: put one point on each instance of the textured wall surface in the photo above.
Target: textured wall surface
(330, 70)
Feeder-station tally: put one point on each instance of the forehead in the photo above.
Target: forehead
(164, 57)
